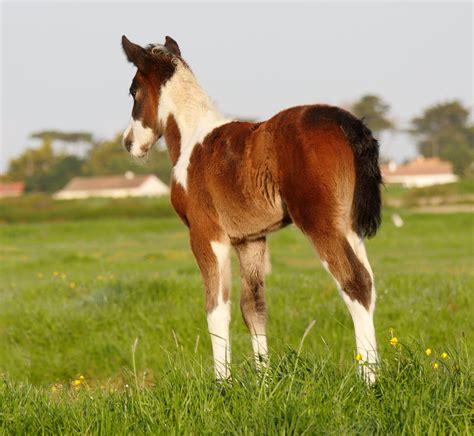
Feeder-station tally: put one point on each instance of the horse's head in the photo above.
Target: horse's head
(155, 64)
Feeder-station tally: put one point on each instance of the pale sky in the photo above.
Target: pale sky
(62, 65)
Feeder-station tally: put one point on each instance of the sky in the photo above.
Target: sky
(62, 66)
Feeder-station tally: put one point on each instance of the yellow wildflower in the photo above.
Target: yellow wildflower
(435, 365)
(358, 357)
(394, 341)
(63, 276)
(40, 275)
(78, 381)
(428, 351)
(54, 389)
(72, 285)
(444, 355)
(55, 273)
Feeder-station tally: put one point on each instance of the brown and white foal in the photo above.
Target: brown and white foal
(234, 182)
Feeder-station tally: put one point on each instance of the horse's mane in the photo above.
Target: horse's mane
(161, 52)
(157, 49)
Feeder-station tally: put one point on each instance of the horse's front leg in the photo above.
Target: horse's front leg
(213, 257)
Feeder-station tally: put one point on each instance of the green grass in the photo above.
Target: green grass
(75, 295)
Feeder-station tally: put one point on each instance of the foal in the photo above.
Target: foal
(234, 182)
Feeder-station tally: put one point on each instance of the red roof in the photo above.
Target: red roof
(419, 167)
(11, 188)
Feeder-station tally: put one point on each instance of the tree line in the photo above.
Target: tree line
(443, 130)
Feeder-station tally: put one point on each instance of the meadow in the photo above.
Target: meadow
(103, 330)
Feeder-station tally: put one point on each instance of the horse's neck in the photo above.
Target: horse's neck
(194, 114)
(190, 106)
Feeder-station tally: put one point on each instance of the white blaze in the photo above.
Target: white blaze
(143, 138)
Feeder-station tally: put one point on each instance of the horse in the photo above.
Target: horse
(234, 182)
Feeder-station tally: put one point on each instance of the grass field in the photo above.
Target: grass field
(76, 295)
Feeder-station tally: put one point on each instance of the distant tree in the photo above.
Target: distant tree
(64, 168)
(444, 130)
(109, 157)
(43, 170)
(32, 161)
(81, 140)
(374, 112)
(57, 135)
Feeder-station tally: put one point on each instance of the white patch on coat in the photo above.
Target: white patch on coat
(194, 112)
(142, 138)
(219, 319)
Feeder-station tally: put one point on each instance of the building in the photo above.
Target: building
(419, 172)
(127, 185)
(11, 189)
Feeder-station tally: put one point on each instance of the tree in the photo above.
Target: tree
(109, 157)
(444, 130)
(79, 139)
(43, 170)
(374, 112)
(31, 161)
(63, 169)
(57, 135)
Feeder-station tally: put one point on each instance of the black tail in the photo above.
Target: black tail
(366, 204)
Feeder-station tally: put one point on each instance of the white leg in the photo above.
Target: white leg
(365, 336)
(218, 319)
(260, 350)
(218, 324)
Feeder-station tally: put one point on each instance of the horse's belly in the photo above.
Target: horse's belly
(254, 219)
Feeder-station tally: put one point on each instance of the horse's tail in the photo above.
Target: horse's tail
(366, 203)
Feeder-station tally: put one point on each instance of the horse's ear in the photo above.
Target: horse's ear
(136, 55)
(172, 46)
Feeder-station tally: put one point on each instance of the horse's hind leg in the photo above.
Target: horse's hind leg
(252, 298)
(345, 258)
(343, 255)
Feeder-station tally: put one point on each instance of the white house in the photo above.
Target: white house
(419, 172)
(127, 185)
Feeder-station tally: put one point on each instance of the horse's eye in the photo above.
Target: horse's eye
(133, 92)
